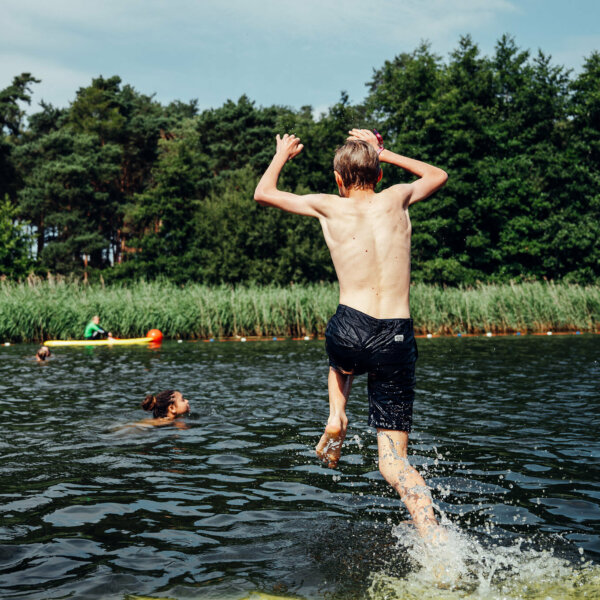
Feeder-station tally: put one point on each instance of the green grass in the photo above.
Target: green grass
(35, 311)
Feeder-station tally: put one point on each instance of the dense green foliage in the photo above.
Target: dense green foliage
(120, 186)
(14, 242)
(36, 311)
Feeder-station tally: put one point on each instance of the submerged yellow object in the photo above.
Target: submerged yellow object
(107, 342)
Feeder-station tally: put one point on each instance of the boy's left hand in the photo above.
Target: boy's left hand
(366, 135)
(288, 146)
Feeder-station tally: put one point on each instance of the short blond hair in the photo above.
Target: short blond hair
(357, 162)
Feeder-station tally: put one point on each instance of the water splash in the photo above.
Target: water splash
(465, 568)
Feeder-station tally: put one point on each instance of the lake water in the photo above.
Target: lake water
(236, 504)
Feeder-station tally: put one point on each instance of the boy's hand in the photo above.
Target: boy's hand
(288, 146)
(366, 135)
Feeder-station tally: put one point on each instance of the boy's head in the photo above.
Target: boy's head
(356, 164)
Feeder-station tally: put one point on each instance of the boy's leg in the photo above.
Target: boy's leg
(413, 491)
(329, 447)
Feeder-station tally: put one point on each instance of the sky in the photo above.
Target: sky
(285, 52)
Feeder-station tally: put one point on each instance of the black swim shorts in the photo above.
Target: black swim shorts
(386, 349)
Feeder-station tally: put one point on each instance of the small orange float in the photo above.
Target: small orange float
(155, 335)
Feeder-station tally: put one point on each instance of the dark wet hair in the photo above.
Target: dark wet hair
(357, 163)
(159, 404)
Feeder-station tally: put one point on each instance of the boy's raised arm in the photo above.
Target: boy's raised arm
(266, 192)
(430, 179)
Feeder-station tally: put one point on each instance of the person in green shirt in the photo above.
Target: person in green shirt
(93, 331)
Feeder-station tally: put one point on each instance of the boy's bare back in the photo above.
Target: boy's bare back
(368, 234)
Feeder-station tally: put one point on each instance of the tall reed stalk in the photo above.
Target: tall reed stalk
(42, 310)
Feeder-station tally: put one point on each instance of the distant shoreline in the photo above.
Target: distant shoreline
(34, 312)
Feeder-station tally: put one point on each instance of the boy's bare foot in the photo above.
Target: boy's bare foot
(329, 448)
(432, 533)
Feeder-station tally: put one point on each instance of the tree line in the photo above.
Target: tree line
(120, 186)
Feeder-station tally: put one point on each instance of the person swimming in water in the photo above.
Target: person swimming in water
(93, 331)
(42, 354)
(166, 406)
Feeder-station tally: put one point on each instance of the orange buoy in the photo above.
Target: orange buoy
(156, 335)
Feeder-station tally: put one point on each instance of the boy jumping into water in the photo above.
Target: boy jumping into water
(368, 235)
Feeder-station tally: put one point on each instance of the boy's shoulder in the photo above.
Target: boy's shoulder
(330, 204)
(398, 189)
(322, 200)
(399, 192)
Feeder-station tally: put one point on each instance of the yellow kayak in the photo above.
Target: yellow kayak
(112, 342)
(154, 335)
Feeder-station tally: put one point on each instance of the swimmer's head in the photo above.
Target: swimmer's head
(169, 404)
(96, 319)
(43, 353)
(356, 166)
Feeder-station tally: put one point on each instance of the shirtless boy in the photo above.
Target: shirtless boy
(368, 235)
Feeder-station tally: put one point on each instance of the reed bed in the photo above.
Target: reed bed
(42, 310)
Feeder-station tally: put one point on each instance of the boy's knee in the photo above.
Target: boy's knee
(394, 442)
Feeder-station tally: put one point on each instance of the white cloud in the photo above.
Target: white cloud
(575, 49)
(351, 19)
(58, 82)
(440, 19)
(319, 111)
(77, 15)
(304, 50)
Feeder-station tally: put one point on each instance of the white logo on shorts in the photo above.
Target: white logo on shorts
(398, 338)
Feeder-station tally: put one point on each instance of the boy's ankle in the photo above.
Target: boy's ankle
(338, 417)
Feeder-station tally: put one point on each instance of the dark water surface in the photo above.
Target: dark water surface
(506, 432)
